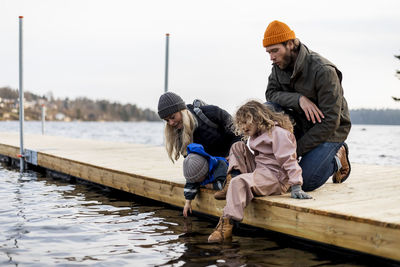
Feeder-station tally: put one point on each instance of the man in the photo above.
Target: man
(308, 88)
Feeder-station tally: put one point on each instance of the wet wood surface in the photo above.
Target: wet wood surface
(362, 214)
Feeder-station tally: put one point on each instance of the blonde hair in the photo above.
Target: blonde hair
(176, 140)
(254, 112)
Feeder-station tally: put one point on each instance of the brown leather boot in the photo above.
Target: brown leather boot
(341, 175)
(221, 194)
(223, 231)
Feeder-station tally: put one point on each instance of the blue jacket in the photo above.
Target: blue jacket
(217, 168)
(212, 161)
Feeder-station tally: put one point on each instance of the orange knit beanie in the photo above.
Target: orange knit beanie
(277, 32)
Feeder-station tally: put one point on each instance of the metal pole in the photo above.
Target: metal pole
(43, 117)
(21, 98)
(166, 62)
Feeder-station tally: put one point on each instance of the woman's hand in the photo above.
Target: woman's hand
(187, 207)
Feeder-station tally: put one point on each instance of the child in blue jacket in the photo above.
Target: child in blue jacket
(201, 169)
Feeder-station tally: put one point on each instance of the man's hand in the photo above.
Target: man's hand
(310, 109)
(188, 207)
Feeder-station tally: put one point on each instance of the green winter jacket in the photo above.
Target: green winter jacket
(320, 81)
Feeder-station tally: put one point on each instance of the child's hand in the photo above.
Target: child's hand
(187, 207)
(298, 193)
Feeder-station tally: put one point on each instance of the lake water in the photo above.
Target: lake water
(51, 222)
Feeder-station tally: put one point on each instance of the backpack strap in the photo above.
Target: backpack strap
(204, 118)
(198, 103)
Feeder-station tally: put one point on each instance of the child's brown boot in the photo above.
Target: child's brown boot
(221, 194)
(223, 231)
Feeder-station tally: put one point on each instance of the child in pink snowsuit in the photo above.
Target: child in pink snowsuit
(272, 169)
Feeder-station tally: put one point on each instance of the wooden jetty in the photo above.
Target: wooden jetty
(362, 214)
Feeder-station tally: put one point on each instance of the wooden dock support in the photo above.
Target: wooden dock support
(362, 214)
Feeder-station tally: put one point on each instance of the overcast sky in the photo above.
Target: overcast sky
(115, 50)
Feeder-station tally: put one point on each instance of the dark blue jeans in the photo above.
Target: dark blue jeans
(318, 164)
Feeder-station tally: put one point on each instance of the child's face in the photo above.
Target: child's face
(249, 129)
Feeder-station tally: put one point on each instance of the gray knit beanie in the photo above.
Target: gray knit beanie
(169, 103)
(195, 168)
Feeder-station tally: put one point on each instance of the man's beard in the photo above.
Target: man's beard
(288, 61)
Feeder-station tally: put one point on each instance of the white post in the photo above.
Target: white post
(21, 99)
(166, 62)
(43, 117)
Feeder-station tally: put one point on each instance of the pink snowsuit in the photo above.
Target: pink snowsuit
(271, 170)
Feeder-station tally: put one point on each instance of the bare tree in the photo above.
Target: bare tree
(398, 76)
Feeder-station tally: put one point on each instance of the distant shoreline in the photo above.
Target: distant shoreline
(375, 116)
(84, 109)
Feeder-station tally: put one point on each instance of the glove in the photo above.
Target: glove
(298, 193)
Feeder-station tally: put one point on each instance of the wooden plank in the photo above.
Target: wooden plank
(380, 241)
(349, 215)
(9, 151)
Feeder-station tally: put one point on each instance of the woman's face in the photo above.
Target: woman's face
(175, 120)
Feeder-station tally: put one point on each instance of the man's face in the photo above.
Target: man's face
(280, 55)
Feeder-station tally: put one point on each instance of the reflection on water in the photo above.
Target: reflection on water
(47, 222)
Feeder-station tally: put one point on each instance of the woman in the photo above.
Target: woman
(207, 125)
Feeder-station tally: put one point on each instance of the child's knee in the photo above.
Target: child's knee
(238, 146)
(237, 182)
